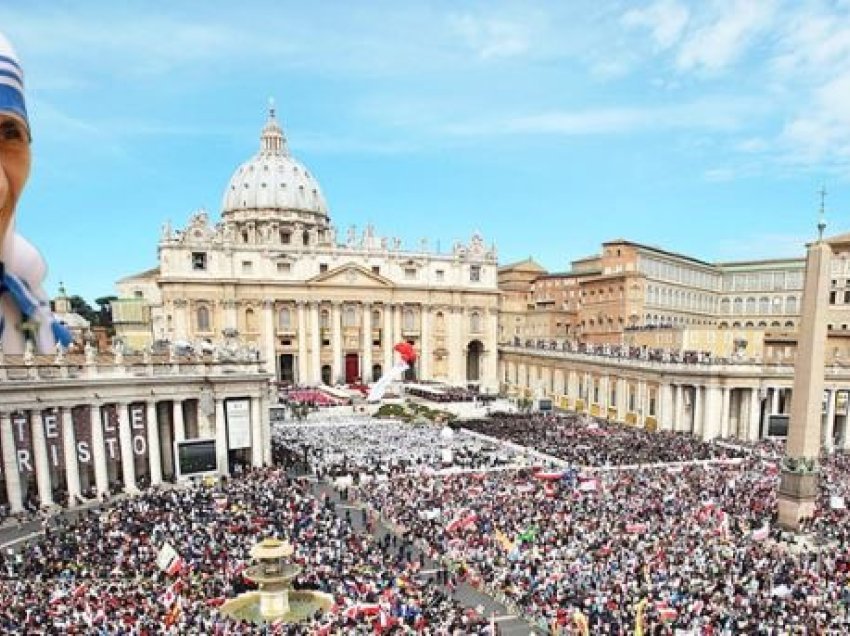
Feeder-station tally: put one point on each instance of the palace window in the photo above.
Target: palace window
(284, 268)
(475, 273)
(409, 320)
(376, 269)
(250, 321)
(410, 273)
(247, 267)
(199, 261)
(349, 317)
(325, 319)
(323, 267)
(285, 237)
(475, 322)
(203, 319)
(284, 319)
(441, 275)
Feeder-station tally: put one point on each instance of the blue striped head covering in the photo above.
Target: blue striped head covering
(11, 82)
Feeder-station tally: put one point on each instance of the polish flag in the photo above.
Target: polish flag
(665, 612)
(461, 521)
(590, 485)
(176, 566)
(636, 528)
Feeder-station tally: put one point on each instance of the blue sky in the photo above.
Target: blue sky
(703, 127)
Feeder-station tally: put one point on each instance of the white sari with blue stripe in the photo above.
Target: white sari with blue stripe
(26, 271)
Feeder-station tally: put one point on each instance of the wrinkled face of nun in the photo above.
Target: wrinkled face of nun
(14, 166)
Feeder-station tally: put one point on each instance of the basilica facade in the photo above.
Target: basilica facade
(273, 272)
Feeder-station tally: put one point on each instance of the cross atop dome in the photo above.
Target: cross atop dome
(272, 140)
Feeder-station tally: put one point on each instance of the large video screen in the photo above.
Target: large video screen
(196, 457)
(777, 426)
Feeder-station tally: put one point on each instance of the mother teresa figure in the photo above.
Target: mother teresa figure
(22, 269)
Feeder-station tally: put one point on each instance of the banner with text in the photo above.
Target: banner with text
(238, 414)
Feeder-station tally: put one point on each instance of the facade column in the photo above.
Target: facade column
(179, 424)
(643, 402)
(258, 441)
(754, 416)
(101, 478)
(425, 354)
(128, 467)
(457, 352)
(316, 340)
(303, 378)
(829, 425)
(726, 395)
(668, 418)
(40, 461)
(489, 379)
(366, 328)
(398, 309)
(154, 451)
(221, 439)
(387, 338)
(69, 445)
(698, 411)
(10, 464)
(337, 369)
(269, 339)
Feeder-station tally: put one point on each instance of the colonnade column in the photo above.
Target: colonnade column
(668, 418)
(622, 399)
(679, 408)
(41, 464)
(269, 337)
(69, 445)
(366, 371)
(154, 451)
(753, 432)
(10, 464)
(387, 337)
(302, 344)
(316, 343)
(337, 371)
(697, 411)
(258, 441)
(177, 421)
(425, 342)
(725, 399)
(829, 425)
(128, 467)
(221, 438)
(774, 401)
(101, 478)
(711, 417)
(642, 402)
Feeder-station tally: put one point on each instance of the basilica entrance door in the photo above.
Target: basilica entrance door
(352, 368)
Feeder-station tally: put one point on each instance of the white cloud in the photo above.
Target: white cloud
(719, 114)
(726, 35)
(491, 38)
(665, 19)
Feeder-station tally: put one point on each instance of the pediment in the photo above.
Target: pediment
(351, 275)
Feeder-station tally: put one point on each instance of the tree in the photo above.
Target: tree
(105, 313)
(81, 307)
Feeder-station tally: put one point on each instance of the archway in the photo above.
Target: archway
(474, 353)
(326, 374)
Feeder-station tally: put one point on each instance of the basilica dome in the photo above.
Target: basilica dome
(273, 181)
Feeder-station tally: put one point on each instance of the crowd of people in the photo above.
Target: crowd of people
(357, 446)
(100, 575)
(584, 441)
(690, 548)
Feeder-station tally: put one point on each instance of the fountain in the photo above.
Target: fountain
(275, 601)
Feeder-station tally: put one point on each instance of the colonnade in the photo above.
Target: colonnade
(710, 403)
(80, 450)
